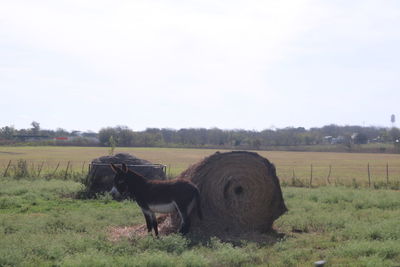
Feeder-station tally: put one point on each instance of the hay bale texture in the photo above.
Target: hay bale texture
(101, 177)
(240, 192)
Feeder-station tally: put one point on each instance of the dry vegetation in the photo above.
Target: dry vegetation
(347, 168)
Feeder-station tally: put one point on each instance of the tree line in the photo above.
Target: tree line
(345, 136)
(239, 138)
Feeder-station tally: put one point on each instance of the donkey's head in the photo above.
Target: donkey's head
(120, 186)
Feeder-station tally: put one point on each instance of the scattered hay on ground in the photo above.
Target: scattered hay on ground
(165, 227)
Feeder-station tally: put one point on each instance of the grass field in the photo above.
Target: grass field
(346, 168)
(42, 224)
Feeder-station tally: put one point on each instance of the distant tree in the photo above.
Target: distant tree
(75, 133)
(105, 134)
(217, 137)
(61, 132)
(7, 132)
(152, 137)
(168, 135)
(348, 142)
(125, 136)
(35, 127)
(113, 144)
(256, 144)
(122, 135)
(90, 134)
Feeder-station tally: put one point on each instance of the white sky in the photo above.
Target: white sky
(85, 64)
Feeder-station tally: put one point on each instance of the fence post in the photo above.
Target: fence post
(40, 169)
(32, 171)
(83, 166)
(369, 176)
(293, 178)
(329, 174)
(8, 166)
(387, 174)
(54, 172)
(66, 171)
(311, 175)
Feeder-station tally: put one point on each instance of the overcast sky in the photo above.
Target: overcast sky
(88, 64)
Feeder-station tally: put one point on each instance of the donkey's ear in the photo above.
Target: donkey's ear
(124, 168)
(114, 168)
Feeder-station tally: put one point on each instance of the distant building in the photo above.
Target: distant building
(330, 140)
(327, 139)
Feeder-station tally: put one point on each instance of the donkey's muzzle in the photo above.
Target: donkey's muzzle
(115, 193)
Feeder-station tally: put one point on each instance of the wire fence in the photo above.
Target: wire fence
(313, 175)
(357, 176)
(21, 168)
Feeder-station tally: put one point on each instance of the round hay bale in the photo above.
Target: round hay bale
(101, 177)
(240, 192)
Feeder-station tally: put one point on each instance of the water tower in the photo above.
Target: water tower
(392, 119)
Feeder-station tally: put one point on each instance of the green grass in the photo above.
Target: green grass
(42, 225)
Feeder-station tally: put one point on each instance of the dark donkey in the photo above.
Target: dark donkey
(158, 196)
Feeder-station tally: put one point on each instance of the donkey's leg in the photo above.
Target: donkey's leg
(149, 222)
(185, 220)
(154, 221)
(185, 223)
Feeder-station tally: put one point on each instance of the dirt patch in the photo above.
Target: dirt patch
(165, 227)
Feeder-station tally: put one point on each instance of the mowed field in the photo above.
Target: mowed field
(346, 168)
(42, 223)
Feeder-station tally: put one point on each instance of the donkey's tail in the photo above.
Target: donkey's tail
(198, 206)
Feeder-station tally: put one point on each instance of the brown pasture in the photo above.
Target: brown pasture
(346, 168)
